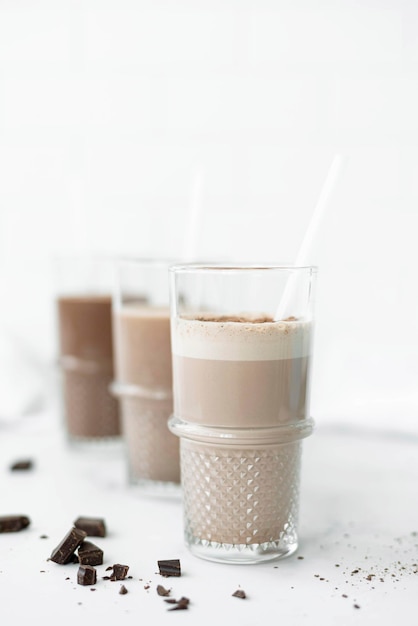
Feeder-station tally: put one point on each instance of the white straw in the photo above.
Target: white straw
(322, 204)
(194, 218)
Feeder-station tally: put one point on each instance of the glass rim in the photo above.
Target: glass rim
(138, 261)
(207, 268)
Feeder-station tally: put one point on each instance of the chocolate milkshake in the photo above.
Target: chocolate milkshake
(86, 359)
(144, 387)
(238, 372)
(240, 406)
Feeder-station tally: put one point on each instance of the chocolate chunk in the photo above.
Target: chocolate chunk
(13, 523)
(22, 464)
(170, 567)
(181, 604)
(86, 575)
(64, 552)
(239, 593)
(89, 554)
(119, 572)
(92, 526)
(123, 590)
(162, 591)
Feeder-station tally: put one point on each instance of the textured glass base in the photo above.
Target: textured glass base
(240, 553)
(99, 444)
(152, 451)
(240, 502)
(90, 412)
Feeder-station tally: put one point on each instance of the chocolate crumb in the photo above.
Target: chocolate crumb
(344, 595)
(123, 590)
(239, 593)
(43, 537)
(106, 577)
(356, 606)
(301, 558)
(146, 587)
(119, 572)
(162, 591)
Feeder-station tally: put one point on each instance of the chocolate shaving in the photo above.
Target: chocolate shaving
(64, 552)
(179, 605)
(170, 567)
(239, 593)
(162, 591)
(123, 590)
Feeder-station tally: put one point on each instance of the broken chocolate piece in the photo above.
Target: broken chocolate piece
(86, 575)
(21, 464)
(64, 552)
(170, 567)
(162, 591)
(92, 526)
(89, 554)
(123, 590)
(13, 523)
(119, 572)
(239, 593)
(181, 604)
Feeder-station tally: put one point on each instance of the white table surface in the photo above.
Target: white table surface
(358, 538)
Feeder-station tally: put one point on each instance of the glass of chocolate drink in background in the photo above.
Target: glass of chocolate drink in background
(84, 313)
(143, 373)
(241, 405)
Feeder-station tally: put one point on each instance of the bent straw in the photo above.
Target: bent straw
(301, 259)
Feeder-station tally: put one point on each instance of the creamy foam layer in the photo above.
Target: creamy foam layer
(241, 340)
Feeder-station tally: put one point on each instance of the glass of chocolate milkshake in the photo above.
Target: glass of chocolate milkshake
(143, 373)
(241, 371)
(84, 313)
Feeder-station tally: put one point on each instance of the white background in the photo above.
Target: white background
(116, 116)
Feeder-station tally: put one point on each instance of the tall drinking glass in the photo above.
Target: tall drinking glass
(241, 405)
(143, 372)
(84, 314)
